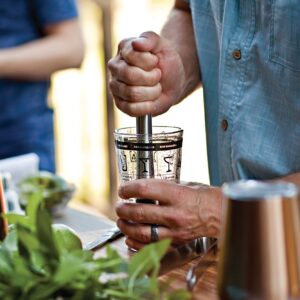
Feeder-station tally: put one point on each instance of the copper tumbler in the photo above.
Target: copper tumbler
(260, 241)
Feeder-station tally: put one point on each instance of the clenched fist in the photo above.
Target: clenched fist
(147, 75)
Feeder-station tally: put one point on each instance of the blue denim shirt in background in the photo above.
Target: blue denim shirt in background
(26, 122)
(249, 54)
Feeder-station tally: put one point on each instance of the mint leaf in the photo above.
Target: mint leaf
(33, 268)
(144, 261)
(6, 268)
(15, 218)
(148, 258)
(34, 205)
(44, 231)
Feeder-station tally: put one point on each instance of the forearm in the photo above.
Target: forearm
(38, 59)
(293, 178)
(179, 31)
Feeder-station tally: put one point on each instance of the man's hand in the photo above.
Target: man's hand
(147, 75)
(184, 212)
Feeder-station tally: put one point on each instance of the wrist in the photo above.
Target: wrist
(212, 209)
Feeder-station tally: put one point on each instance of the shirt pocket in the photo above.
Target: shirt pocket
(213, 8)
(285, 34)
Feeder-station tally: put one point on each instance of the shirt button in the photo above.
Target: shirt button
(237, 54)
(224, 125)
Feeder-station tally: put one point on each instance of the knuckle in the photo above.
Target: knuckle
(123, 43)
(122, 191)
(120, 105)
(144, 236)
(121, 226)
(155, 94)
(114, 67)
(129, 109)
(110, 63)
(159, 88)
(129, 75)
(142, 188)
(127, 54)
(156, 107)
(134, 93)
(150, 107)
(111, 85)
(180, 193)
(140, 214)
(173, 219)
(153, 77)
(152, 61)
(119, 210)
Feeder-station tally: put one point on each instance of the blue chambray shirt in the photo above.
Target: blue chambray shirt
(249, 53)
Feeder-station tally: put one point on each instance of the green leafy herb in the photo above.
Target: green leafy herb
(33, 267)
(55, 191)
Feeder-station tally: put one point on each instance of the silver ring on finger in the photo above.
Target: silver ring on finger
(154, 233)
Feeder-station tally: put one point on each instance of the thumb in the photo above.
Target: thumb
(148, 42)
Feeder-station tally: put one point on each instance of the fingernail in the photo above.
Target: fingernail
(158, 71)
(120, 191)
(140, 39)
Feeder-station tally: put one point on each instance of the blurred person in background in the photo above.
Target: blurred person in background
(246, 56)
(37, 38)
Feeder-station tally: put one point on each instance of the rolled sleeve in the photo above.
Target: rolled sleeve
(54, 11)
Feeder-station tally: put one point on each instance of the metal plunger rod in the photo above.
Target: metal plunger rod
(145, 159)
(144, 125)
(145, 167)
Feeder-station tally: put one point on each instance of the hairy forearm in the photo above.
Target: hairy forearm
(179, 31)
(38, 59)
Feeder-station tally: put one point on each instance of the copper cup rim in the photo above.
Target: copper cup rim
(254, 190)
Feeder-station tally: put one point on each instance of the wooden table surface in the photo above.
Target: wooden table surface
(89, 224)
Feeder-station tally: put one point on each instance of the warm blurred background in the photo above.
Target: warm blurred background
(84, 122)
